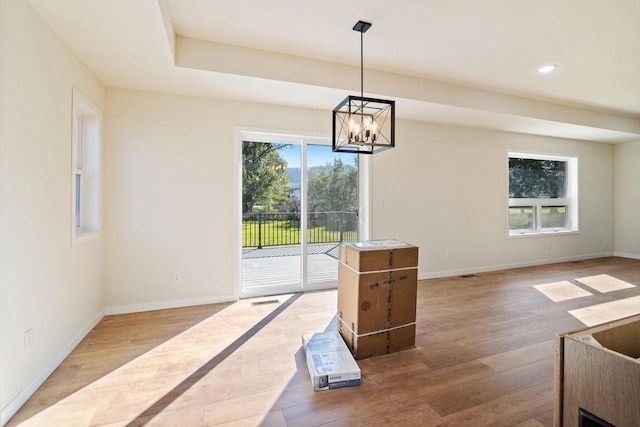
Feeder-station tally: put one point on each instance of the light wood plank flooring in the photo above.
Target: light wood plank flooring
(484, 357)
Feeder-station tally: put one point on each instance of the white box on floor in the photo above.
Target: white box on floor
(329, 361)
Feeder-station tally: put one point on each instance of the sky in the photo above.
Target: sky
(317, 155)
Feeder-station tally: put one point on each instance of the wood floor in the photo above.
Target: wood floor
(483, 357)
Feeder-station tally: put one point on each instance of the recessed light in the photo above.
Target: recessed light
(546, 69)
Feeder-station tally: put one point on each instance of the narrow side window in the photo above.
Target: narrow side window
(85, 172)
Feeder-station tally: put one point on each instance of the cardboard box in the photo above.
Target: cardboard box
(381, 342)
(329, 361)
(370, 302)
(377, 255)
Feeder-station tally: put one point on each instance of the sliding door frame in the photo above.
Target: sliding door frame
(302, 139)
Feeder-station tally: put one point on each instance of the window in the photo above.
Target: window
(85, 172)
(543, 194)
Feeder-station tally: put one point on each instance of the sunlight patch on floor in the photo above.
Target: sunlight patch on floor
(144, 381)
(608, 311)
(562, 291)
(604, 283)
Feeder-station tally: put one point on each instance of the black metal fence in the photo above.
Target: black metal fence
(276, 229)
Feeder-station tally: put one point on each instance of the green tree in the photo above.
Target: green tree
(264, 175)
(333, 188)
(533, 178)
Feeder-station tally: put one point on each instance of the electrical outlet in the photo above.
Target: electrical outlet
(176, 276)
(548, 246)
(28, 340)
(448, 253)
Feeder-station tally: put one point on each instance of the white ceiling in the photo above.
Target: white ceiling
(463, 62)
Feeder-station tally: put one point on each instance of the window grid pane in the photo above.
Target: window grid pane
(537, 179)
(80, 144)
(553, 216)
(78, 200)
(522, 218)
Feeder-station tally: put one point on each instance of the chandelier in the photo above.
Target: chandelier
(361, 124)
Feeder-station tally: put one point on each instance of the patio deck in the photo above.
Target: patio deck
(267, 268)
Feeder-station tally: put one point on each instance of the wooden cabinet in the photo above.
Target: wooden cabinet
(597, 371)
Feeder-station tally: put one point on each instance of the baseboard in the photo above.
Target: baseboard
(484, 269)
(13, 406)
(626, 255)
(162, 305)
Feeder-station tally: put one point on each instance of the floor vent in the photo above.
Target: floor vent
(464, 276)
(269, 301)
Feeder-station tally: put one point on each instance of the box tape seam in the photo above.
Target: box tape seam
(375, 332)
(378, 271)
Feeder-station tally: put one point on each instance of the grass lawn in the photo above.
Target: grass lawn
(276, 233)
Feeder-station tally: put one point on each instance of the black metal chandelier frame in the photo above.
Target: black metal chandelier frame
(375, 131)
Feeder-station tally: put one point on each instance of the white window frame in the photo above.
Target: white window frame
(570, 201)
(85, 169)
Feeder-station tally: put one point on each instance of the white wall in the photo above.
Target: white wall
(45, 284)
(445, 188)
(170, 204)
(627, 199)
(170, 196)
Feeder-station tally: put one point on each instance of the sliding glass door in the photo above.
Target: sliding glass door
(332, 210)
(299, 201)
